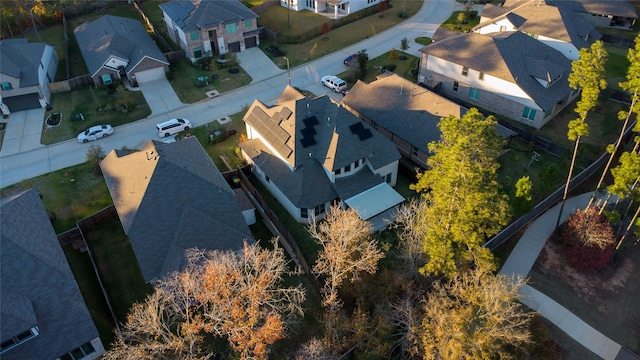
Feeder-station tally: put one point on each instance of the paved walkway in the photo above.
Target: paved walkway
(520, 262)
(258, 65)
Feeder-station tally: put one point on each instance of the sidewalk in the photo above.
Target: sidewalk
(520, 262)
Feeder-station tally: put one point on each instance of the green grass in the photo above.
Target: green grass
(87, 100)
(183, 77)
(424, 40)
(153, 12)
(403, 68)
(118, 267)
(453, 25)
(298, 54)
(616, 66)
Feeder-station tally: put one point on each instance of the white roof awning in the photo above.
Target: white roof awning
(375, 200)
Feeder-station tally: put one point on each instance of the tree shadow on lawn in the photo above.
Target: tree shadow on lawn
(606, 300)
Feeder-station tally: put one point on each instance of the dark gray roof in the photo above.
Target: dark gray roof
(599, 7)
(192, 15)
(511, 56)
(117, 36)
(171, 197)
(402, 107)
(37, 285)
(20, 59)
(318, 134)
(541, 18)
(492, 11)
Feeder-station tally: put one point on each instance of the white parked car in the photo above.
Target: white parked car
(173, 126)
(95, 132)
(334, 83)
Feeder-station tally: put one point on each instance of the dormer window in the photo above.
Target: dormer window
(6, 85)
(465, 71)
(19, 339)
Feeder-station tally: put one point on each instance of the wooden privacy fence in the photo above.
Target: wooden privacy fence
(67, 85)
(552, 199)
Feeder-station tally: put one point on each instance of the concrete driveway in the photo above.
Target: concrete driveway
(23, 131)
(258, 65)
(160, 96)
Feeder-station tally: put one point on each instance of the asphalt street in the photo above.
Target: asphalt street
(33, 161)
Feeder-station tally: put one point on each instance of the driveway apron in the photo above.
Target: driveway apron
(258, 65)
(160, 96)
(23, 131)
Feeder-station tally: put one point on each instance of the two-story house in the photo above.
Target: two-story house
(210, 28)
(115, 47)
(509, 73)
(26, 69)
(312, 153)
(336, 7)
(43, 313)
(558, 27)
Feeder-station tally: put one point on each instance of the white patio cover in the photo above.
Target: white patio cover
(372, 202)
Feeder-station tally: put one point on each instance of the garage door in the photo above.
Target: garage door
(251, 42)
(22, 102)
(234, 47)
(150, 75)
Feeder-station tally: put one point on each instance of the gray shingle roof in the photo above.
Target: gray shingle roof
(117, 36)
(320, 135)
(20, 59)
(544, 19)
(192, 15)
(402, 107)
(37, 286)
(511, 56)
(609, 7)
(171, 197)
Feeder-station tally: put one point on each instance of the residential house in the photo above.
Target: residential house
(115, 47)
(508, 73)
(43, 313)
(312, 153)
(406, 113)
(620, 14)
(335, 7)
(210, 28)
(557, 27)
(170, 198)
(26, 69)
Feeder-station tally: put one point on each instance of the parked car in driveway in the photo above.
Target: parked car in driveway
(95, 132)
(334, 83)
(173, 126)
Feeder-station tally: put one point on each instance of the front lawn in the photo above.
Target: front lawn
(97, 106)
(406, 68)
(466, 26)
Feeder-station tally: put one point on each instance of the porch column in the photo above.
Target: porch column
(335, 12)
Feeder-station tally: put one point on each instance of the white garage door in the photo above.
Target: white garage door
(149, 75)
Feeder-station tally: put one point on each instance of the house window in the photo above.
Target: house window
(503, 28)
(347, 168)
(465, 71)
(197, 52)
(247, 24)
(231, 28)
(18, 339)
(338, 171)
(529, 113)
(474, 93)
(106, 79)
(78, 353)
(356, 164)
(387, 178)
(311, 4)
(414, 151)
(6, 85)
(319, 210)
(455, 86)
(195, 35)
(212, 34)
(266, 178)
(481, 76)
(304, 213)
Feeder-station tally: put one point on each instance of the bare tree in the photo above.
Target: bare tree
(234, 296)
(411, 227)
(475, 316)
(347, 249)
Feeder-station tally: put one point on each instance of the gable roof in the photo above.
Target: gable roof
(192, 15)
(20, 59)
(305, 138)
(598, 7)
(402, 107)
(38, 287)
(124, 38)
(511, 56)
(171, 197)
(541, 18)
